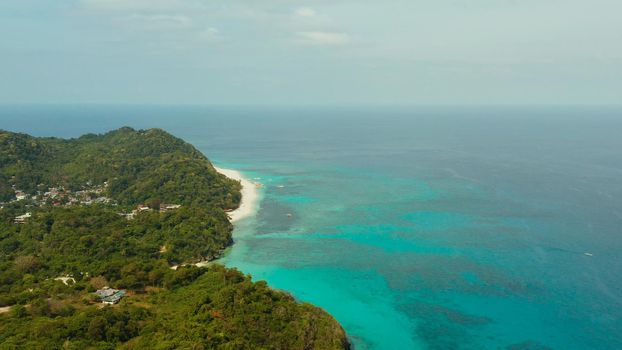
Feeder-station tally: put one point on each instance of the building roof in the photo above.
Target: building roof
(110, 295)
(114, 297)
(25, 216)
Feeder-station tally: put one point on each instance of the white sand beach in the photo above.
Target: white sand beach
(249, 195)
(248, 204)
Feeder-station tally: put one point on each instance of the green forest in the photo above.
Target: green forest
(138, 165)
(55, 258)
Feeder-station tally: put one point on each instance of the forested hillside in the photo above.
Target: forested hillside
(137, 165)
(81, 214)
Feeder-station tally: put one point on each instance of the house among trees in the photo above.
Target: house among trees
(142, 207)
(109, 295)
(166, 207)
(20, 195)
(22, 218)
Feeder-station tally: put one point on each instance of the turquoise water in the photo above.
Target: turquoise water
(428, 228)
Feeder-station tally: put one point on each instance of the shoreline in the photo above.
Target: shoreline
(247, 207)
(249, 192)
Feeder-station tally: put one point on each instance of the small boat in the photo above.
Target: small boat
(588, 254)
(280, 186)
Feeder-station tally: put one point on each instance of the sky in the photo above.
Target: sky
(314, 52)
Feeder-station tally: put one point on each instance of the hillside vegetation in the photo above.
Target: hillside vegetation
(60, 251)
(138, 166)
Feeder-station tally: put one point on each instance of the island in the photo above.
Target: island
(90, 229)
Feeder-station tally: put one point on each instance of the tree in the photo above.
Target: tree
(19, 311)
(97, 328)
(26, 263)
(98, 282)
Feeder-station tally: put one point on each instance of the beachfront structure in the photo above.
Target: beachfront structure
(109, 295)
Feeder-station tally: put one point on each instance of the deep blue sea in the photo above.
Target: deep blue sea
(417, 228)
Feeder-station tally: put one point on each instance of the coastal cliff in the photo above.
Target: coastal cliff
(118, 210)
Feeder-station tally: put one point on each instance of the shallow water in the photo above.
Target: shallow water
(428, 228)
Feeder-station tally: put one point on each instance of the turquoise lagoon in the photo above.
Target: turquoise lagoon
(417, 228)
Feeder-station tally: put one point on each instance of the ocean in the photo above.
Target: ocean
(417, 228)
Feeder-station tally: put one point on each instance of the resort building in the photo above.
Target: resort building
(19, 195)
(22, 218)
(142, 207)
(167, 207)
(109, 295)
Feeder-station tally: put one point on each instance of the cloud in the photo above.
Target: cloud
(324, 38)
(159, 20)
(305, 12)
(138, 5)
(211, 34)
